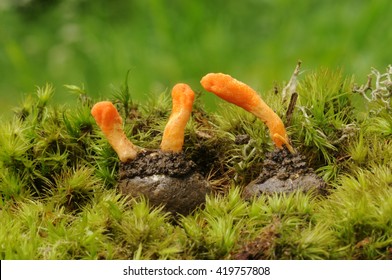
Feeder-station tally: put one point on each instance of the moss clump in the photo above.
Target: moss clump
(58, 180)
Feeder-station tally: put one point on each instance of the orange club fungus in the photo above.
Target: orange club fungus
(240, 94)
(283, 170)
(173, 135)
(110, 122)
(164, 176)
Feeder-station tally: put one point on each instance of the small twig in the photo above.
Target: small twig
(364, 88)
(290, 109)
(291, 86)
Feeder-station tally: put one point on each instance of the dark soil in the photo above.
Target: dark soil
(154, 162)
(284, 172)
(261, 247)
(166, 179)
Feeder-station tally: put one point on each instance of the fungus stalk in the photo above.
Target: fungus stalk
(110, 122)
(240, 94)
(173, 135)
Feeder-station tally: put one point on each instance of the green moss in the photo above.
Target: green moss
(58, 175)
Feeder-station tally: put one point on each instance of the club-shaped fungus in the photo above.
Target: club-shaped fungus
(165, 177)
(240, 94)
(110, 122)
(283, 169)
(173, 135)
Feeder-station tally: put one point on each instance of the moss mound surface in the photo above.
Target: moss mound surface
(59, 179)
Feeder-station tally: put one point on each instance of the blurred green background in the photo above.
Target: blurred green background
(95, 43)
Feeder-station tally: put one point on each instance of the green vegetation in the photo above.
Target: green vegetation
(93, 43)
(58, 197)
(58, 175)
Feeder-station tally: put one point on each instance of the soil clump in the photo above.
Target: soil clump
(166, 179)
(284, 172)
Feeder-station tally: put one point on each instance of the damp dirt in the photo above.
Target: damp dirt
(284, 172)
(261, 247)
(166, 179)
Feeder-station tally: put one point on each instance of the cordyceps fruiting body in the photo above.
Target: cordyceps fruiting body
(283, 169)
(173, 135)
(163, 176)
(240, 94)
(110, 122)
